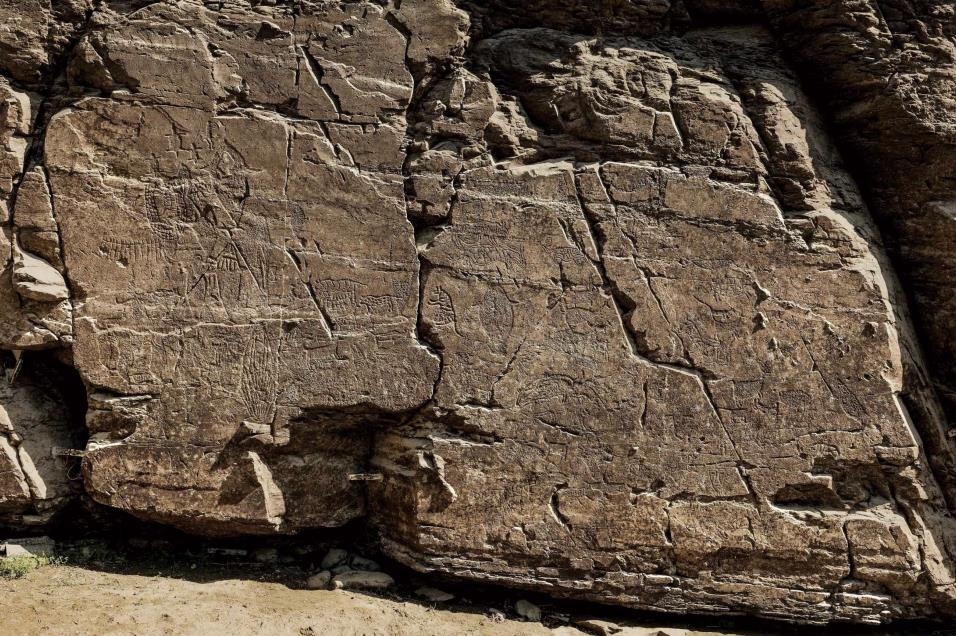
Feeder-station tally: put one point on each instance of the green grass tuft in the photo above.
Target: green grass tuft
(19, 566)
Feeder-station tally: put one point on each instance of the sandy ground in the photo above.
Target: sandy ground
(72, 601)
(145, 585)
(79, 601)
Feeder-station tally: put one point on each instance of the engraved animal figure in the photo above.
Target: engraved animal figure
(381, 305)
(570, 255)
(127, 251)
(560, 402)
(497, 317)
(258, 370)
(443, 312)
(339, 295)
(188, 198)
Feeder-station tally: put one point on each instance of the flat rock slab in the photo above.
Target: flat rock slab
(362, 580)
(30, 546)
(582, 300)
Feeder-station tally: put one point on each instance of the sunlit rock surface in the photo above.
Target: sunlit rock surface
(610, 303)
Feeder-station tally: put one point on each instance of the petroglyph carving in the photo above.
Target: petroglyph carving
(573, 296)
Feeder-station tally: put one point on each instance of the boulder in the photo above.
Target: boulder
(319, 581)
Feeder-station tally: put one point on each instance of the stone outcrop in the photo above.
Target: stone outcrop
(37, 413)
(579, 297)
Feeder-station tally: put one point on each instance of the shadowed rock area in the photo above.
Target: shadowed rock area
(639, 302)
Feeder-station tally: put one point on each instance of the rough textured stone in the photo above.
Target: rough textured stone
(528, 611)
(434, 595)
(31, 546)
(578, 297)
(319, 581)
(361, 580)
(36, 422)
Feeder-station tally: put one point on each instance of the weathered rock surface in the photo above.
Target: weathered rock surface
(36, 414)
(597, 308)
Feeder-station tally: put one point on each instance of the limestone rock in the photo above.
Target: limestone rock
(585, 298)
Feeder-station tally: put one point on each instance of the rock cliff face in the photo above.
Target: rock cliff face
(637, 301)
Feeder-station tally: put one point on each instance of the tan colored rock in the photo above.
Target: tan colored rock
(244, 229)
(16, 119)
(319, 581)
(36, 279)
(35, 426)
(886, 74)
(29, 546)
(703, 349)
(35, 33)
(37, 229)
(595, 310)
(362, 580)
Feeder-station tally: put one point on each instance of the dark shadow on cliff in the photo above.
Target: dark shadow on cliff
(114, 543)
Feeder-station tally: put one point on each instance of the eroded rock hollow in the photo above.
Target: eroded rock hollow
(643, 302)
